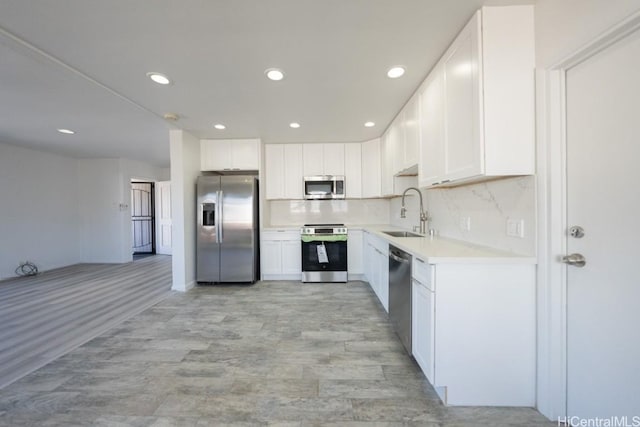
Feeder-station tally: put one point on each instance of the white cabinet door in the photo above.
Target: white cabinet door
(355, 247)
(431, 167)
(323, 159)
(423, 328)
(386, 166)
(283, 163)
(271, 257)
(215, 155)
(292, 257)
(395, 146)
(229, 154)
(353, 170)
(370, 168)
(245, 154)
(411, 131)
(292, 169)
(312, 157)
(333, 159)
(462, 91)
(275, 171)
(281, 254)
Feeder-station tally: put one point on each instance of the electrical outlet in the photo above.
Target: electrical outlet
(465, 223)
(515, 228)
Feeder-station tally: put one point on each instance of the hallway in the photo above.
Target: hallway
(275, 353)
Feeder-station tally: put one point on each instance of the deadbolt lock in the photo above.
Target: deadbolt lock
(576, 231)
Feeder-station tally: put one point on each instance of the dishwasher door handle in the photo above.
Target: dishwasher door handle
(397, 258)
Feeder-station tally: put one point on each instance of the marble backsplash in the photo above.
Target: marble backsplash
(299, 212)
(488, 205)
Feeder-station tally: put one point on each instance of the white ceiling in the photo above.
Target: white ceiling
(82, 64)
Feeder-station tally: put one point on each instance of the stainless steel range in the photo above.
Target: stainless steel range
(324, 253)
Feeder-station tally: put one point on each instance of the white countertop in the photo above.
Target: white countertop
(442, 250)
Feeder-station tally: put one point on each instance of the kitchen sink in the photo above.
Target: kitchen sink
(402, 234)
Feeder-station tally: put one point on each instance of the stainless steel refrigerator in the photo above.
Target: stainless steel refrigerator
(227, 246)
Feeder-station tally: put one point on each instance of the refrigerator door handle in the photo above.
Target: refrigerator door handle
(220, 216)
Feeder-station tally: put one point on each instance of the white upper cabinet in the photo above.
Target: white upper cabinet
(387, 156)
(482, 92)
(333, 159)
(274, 170)
(323, 159)
(283, 174)
(353, 170)
(461, 69)
(313, 159)
(370, 168)
(431, 166)
(411, 133)
(229, 154)
(394, 147)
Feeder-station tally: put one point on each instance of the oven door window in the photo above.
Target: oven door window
(336, 256)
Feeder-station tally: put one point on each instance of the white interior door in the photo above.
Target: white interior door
(163, 217)
(603, 175)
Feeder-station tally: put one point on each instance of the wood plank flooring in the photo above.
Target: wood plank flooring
(46, 316)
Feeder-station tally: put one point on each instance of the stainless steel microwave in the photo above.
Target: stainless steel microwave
(324, 187)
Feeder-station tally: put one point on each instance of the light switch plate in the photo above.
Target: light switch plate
(515, 228)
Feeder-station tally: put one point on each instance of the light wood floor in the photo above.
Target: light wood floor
(46, 316)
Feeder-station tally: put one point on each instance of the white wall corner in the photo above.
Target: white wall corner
(185, 167)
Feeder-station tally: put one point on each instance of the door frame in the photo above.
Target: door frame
(552, 219)
(152, 209)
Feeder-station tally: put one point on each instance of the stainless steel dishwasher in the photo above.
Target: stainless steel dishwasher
(400, 294)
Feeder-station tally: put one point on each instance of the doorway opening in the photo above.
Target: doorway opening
(142, 218)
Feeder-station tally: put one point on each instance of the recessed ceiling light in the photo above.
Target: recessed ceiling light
(369, 124)
(395, 72)
(294, 125)
(159, 78)
(219, 126)
(66, 131)
(274, 74)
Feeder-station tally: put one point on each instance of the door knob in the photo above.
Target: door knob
(577, 260)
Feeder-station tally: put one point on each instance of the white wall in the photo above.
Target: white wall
(102, 209)
(562, 27)
(299, 212)
(38, 209)
(104, 206)
(58, 211)
(185, 168)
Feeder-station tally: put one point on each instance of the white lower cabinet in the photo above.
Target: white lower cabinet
(355, 258)
(280, 255)
(376, 265)
(473, 330)
(423, 318)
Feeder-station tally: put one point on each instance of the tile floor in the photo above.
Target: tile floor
(271, 354)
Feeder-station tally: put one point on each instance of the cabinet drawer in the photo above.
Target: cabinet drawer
(422, 273)
(280, 235)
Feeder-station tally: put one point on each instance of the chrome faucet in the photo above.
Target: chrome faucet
(423, 214)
